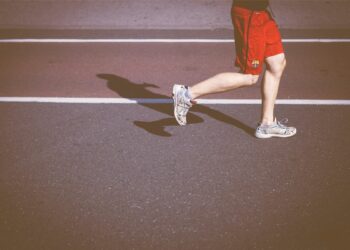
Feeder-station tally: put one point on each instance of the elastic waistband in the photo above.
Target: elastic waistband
(244, 11)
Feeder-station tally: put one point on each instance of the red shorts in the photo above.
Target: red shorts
(257, 37)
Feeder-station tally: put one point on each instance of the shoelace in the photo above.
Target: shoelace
(184, 107)
(282, 123)
(185, 102)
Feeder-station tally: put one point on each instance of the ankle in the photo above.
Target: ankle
(189, 93)
(267, 121)
(189, 96)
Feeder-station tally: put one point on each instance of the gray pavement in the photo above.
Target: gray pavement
(125, 177)
(164, 14)
(315, 71)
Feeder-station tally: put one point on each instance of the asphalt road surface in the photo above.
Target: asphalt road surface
(126, 176)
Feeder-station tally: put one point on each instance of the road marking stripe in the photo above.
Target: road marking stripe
(59, 40)
(163, 101)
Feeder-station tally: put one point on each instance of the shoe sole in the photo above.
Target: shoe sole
(262, 136)
(175, 89)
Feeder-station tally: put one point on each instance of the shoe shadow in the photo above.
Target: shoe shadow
(131, 90)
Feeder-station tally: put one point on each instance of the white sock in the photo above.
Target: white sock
(188, 93)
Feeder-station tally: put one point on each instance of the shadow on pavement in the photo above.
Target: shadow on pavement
(128, 89)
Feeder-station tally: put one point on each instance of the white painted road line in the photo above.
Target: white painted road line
(82, 100)
(62, 40)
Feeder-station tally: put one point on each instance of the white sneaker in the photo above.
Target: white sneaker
(277, 129)
(182, 103)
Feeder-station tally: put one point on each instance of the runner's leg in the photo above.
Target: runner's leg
(275, 66)
(221, 83)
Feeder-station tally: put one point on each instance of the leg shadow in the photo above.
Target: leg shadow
(224, 118)
(158, 127)
(127, 89)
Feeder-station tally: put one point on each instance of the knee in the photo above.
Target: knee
(252, 79)
(283, 64)
(281, 67)
(277, 68)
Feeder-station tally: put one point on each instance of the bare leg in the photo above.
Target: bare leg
(275, 66)
(221, 83)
